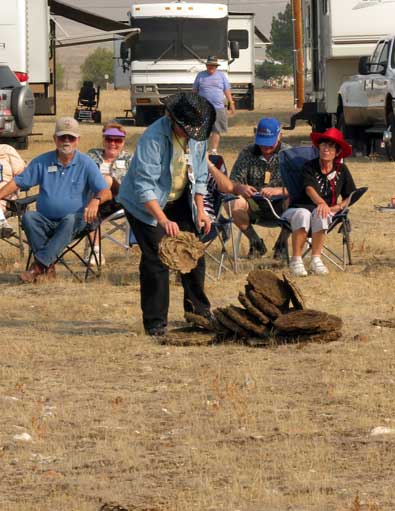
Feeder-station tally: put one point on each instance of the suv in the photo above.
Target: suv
(16, 109)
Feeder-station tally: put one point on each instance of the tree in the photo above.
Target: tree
(98, 64)
(281, 35)
(60, 82)
(269, 70)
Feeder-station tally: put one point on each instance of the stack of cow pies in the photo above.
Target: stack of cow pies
(272, 308)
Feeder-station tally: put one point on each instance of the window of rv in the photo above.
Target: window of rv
(180, 38)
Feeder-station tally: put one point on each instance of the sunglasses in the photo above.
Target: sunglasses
(117, 140)
(63, 138)
(328, 143)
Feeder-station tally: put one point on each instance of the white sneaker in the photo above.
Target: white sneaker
(318, 267)
(91, 260)
(297, 268)
(213, 152)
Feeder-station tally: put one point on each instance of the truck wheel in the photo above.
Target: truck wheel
(390, 143)
(22, 106)
(140, 117)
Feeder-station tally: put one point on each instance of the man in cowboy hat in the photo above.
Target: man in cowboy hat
(213, 85)
(71, 190)
(163, 193)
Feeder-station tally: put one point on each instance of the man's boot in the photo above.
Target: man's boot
(257, 245)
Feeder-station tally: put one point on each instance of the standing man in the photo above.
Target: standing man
(163, 193)
(258, 166)
(71, 190)
(213, 85)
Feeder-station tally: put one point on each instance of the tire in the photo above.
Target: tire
(147, 115)
(97, 117)
(390, 144)
(22, 107)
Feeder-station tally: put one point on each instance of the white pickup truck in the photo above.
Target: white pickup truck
(366, 102)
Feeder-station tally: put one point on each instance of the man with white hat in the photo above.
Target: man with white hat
(213, 85)
(71, 190)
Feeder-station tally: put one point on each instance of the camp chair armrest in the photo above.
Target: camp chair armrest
(20, 204)
(228, 197)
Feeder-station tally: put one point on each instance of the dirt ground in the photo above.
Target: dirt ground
(113, 417)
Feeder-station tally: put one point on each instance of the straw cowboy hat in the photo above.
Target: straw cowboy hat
(193, 113)
(334, 135)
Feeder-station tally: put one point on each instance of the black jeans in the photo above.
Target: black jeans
(154, 275)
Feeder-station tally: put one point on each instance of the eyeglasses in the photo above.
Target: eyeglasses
(63, 138)
(328, 143)
(116, 140)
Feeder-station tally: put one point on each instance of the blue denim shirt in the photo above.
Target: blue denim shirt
(150, 173)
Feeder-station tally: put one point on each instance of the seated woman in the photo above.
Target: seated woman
(11, 164)
(113, 162)
(325, 179)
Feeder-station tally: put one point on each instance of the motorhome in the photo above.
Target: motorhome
(174, 42)
(335, 34)
(27, 47)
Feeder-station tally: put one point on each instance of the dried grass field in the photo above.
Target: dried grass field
(115, 417)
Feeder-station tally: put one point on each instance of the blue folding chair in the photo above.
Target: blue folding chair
(292, 162)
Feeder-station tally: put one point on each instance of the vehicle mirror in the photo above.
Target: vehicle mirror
(124, 51)
(364, 66)
(234, 49)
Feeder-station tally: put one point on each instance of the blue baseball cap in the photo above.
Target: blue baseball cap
(267, 131)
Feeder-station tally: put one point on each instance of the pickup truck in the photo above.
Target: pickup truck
(366, 101)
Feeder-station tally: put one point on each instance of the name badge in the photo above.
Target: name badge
(52, 168)
(188, 158)
(120, 164)
(266, 180)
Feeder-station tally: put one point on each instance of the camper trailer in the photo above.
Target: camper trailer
(173, 44)
(27, 47)
(335, 34)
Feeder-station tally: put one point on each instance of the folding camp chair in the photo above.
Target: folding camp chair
(72, 249)
(114, 224)
(291, 167)
(17, 208)
(217, 205)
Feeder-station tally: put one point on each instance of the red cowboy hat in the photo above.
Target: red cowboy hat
(334, 135)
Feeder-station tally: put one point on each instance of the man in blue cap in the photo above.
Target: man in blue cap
(258, 166)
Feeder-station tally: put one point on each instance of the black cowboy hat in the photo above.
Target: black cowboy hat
(193, 113)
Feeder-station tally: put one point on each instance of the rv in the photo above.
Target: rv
(335, 34)
(174, 42)
(27, 47)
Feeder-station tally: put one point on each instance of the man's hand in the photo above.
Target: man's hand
(203, 221)
(171, 228)
(232, 107)
(269, 191)
(245, 191)
(90, 212)
(323, 210)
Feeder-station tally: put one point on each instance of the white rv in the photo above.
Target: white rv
(336, 33)
(27, 47)
(175, 40)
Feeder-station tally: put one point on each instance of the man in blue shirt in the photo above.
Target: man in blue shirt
(71, 190)
(213, 85)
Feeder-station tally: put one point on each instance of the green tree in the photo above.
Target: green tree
(60, 78)
(98, 64)
(269, 70)
(281, 35)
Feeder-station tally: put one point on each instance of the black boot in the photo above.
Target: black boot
(257, 249)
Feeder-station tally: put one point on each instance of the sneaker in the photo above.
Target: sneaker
(318, 267)
(297, 268)
(91, 260)
(257, 249)
(213, 152)
(6, 231)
